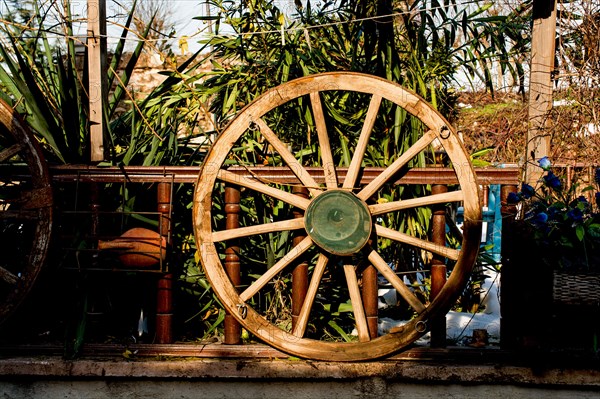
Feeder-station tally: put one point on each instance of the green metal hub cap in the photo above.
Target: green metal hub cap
(339, 222)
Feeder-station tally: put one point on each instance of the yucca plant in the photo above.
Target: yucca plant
(40, 77)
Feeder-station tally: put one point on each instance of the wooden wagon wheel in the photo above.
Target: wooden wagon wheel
(25, 210)
(340, 215)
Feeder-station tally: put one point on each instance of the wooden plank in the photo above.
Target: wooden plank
(247, 351)
(311, 293)
(96, 33)
(324, 144)
(189, 174)
(357, 305)
(9, 152)
(540, 87)
(452, 196)
(291, 224)
(8, 277)
(363, 142)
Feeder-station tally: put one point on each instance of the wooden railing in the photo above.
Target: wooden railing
(166, 176)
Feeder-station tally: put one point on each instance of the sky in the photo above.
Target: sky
(184, 10)
(183, 13)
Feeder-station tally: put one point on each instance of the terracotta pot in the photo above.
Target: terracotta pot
(138, 247)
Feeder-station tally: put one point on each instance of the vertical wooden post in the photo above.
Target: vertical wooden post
(97, 90)
(370, 292)
(540, 86)
(300, 272)
(164, 295)
(438, 267)
(485, 198)
(570, 176)
(509, 277)
(369, 297)
(233, 329)
(94, 207)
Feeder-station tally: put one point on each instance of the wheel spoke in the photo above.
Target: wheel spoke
(7, 276)
(30, 199)
(291, 224)
(363, 141)
(289, 158)
(452, 196)
(19, 214)
(254, 184)
(324, 145)
(9, 152)
(311, 293)
(390, 171)
(357, 305)
(417, 242)
(37, 198)
(276, 268)
(383, 268)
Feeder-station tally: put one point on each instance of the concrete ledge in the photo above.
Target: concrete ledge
(278, 369)
(258, 371)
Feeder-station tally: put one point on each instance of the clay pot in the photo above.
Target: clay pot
(138, 247)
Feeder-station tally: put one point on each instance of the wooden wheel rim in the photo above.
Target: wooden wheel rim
(227, 293)
(39, 203)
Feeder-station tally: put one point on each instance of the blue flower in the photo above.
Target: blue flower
(540, 218)
(575, 215)
(545, 163)
(527, 191)
(552, 181)
(513, 198)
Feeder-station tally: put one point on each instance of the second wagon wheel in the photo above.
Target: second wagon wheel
(303, 158)
(25, 210)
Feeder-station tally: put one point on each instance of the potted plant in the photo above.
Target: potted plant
(551, 265)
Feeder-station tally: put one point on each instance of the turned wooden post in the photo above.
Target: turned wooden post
(233, 329)
(485, 196)
(300, 272)
(438, 267)
(369, 297)
(370, 292)
(164, 297)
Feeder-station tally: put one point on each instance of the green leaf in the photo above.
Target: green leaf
(580, 232)
(41, 118)
(339, 330)
(216, 323)
(594, 230)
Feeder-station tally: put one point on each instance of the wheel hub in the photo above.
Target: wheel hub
(339, 222)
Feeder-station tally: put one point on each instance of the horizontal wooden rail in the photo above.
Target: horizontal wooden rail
(283, 175)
